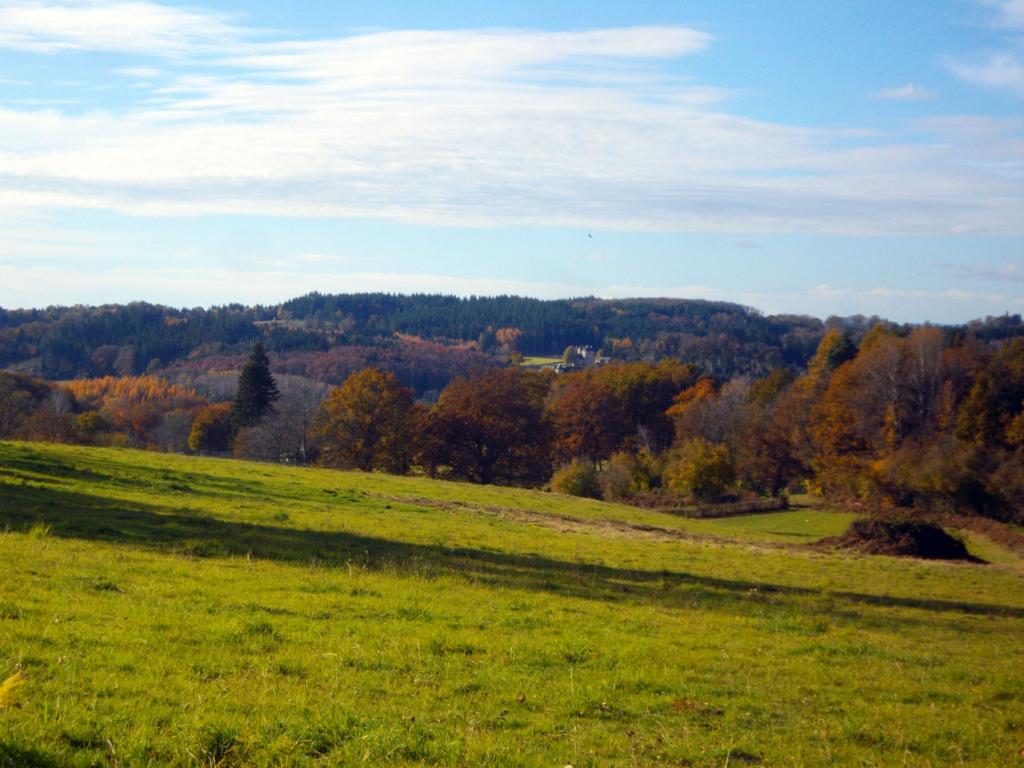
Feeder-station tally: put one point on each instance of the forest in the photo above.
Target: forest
(928, 419)
(128, 340)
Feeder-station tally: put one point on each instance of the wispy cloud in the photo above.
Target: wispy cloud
(994, 273)
(825, 290)
(591, 129)
(1003, 71)
(97, 25)
(907, 92)
(1010, 13)
(999, 69)
(144, 73)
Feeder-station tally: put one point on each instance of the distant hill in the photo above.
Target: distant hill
(425, 339)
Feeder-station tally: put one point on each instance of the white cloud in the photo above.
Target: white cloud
(144, 73)
(582, 129)
(324, 258)
(1003, 70)
(1010, 12)
(1001, 273)
(907, 92)
(884, 294)
(129, 26)
(997, 69)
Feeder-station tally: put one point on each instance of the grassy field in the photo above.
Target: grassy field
(182, 611)
(537, 362)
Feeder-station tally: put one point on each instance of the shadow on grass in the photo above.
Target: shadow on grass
(14, 756)
(84, 516)
(23, 462)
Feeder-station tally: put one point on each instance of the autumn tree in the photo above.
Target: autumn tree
(134, 406)
(762, 445)
(792, 412)
(211, 429)
(600, 410)
(711, 412)
(508, 339)
(991, 420)
(367, 423)
(587, 420)
(491, 428)
(644, 394)
(835, 349)
(20, 396)
(54, 419)
(257, 391)
(996, 399)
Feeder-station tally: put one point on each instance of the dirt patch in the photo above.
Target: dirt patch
(618, 529)
(901, 538)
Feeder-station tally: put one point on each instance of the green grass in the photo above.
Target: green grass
(181, 611)
(536, 362)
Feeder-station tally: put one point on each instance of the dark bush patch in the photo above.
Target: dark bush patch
(900, 537)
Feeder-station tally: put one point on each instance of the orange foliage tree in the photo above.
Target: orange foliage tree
(367, 423)
(211, 429)
(133, 405)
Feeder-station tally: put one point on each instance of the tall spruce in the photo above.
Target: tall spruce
(257, 390)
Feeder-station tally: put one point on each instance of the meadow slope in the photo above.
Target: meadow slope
(167, 610)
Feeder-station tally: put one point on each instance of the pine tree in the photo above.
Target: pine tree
(257, 391)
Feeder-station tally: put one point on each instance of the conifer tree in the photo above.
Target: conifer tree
(257, 390)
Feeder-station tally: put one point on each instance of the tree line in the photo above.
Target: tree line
(724, 339)
(926, 419)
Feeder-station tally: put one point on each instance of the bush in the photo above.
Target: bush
(902, 537)
(702, 470)
(577, 478)
(626, 475)
(89, 423)
(211, 430)
(92, 429)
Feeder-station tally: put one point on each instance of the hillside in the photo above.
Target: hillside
(188, 611)
(425, 339)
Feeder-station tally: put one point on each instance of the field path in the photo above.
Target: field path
(615, 529)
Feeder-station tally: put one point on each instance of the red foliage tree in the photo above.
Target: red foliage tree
(491, 428)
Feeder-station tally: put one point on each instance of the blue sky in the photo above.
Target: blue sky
(823, 158)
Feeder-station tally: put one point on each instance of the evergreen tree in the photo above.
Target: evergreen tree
(257, 390)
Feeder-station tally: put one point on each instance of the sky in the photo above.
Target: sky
(797, 156)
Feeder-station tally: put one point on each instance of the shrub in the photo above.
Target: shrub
(703, 470)
(625, 475)
(211, 430)
(577, 478)
(90, 423)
